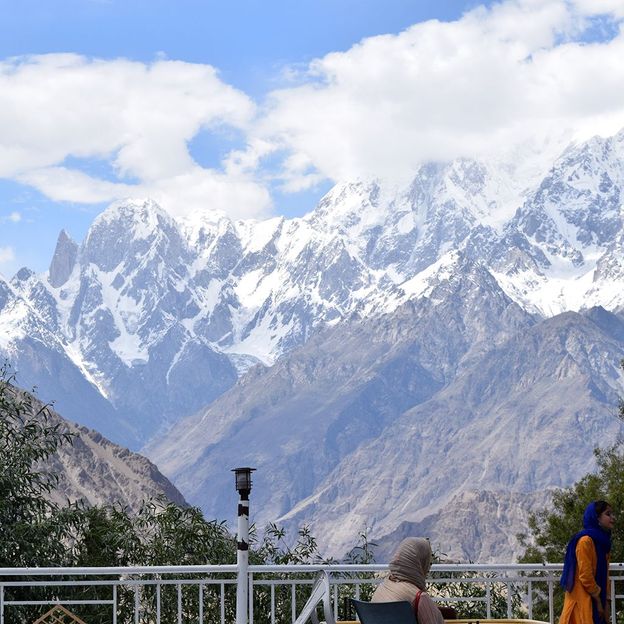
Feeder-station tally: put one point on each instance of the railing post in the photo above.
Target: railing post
(137, 604)
(250, 597)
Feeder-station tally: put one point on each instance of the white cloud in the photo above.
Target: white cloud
(191, 190)
(197, 189)
(441, 90)
(7, 254)
(139, 118)
(13, 217)
(600, 7)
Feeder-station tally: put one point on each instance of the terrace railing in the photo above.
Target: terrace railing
(207, 594)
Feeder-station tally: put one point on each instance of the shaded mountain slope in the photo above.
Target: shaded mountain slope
(94, 470)
(385, 420)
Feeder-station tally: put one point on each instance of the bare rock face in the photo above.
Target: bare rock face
(63, 261)
(395, 419)
(94, 470)
(476, 525)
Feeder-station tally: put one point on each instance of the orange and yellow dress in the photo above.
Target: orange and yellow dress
(577, 606)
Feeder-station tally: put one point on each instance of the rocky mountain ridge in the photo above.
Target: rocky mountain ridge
(377, 314)
(390, 420)
(179, 310)
(93, 470)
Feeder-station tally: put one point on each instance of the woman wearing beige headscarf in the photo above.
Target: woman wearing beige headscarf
(408, 570)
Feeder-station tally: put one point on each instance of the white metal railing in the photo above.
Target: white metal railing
(207, 594)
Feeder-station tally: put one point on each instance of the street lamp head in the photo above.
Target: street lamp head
(243, 479)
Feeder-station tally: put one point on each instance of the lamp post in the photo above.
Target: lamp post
(243, 487)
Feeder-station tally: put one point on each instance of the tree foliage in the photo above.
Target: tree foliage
(551, 529)
(37, 532)
(34, 529)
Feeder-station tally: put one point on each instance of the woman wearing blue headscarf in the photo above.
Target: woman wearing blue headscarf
(585, 575)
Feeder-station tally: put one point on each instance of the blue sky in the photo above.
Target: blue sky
(277, 100)
(248, 40)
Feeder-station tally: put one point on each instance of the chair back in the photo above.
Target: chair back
(384, 612)
(321, 592)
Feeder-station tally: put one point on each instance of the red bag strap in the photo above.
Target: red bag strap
(415, 603)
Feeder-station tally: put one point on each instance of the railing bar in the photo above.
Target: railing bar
(1, 604)
(179, 603)
(508, 588)
(293, 603)
(126, 582)
(23, 603)
(134, 570)
(115, 604)
(488, 596)
(357, 591)
(158, 598)
(272, 604)
(551, 606)
(136, 604)
(335, 601)
(222, 599)
(201, 603)
(530, 599)
(612, 594)
(250, 594)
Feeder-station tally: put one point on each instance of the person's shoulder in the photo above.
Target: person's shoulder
(585, 544)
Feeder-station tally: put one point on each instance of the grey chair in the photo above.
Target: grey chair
(384, 612)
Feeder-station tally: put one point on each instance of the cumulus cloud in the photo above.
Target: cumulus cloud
(443, 90)
(138, 118)
(599, 7)
(438, 90)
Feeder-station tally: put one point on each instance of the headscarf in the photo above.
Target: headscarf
(602, 544)
(411, 561)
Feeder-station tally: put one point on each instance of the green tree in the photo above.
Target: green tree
(34, 529)
(550, 529)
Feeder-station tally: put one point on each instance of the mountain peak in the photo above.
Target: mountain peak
(129, 229)
(63, 260)
(23, 275)
(142, 213)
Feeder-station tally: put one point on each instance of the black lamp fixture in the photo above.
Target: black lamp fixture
(243, 479)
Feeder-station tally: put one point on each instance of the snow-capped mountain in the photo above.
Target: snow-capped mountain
(30, 340)
(121, 311)
(151, 319)
(160, 315)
